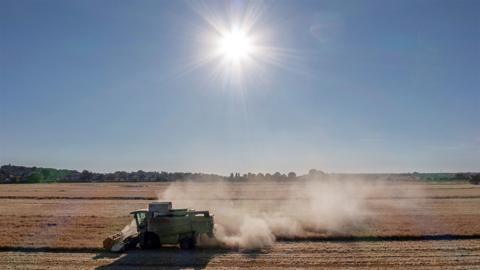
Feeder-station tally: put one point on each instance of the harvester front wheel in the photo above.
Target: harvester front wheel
(187, 243)
(149, 241)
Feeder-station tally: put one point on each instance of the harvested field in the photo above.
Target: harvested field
(451, 254)
(432, 226)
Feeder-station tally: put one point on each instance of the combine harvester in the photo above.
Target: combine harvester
(159, 225)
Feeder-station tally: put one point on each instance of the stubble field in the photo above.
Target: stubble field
(416, 225)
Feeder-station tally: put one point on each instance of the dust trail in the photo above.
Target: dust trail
(251, 215)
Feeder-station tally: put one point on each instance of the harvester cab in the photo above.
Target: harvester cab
(160, 224)
(140, 217)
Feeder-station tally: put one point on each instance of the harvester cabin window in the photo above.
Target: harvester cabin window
(140, 217)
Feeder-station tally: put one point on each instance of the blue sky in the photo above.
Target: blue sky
(350, 86)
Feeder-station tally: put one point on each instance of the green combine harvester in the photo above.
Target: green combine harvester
(161, 225)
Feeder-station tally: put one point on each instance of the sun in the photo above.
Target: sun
(235, 45)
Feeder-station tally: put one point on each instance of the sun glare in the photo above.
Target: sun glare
(235, 45)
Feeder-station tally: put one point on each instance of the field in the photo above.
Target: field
(416, 225)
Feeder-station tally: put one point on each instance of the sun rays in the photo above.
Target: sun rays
(234, 45)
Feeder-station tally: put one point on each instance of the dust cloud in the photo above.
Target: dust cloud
(251, 215)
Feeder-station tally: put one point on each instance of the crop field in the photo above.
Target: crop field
(405, 224)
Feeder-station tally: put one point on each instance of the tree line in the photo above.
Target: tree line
(22, 174)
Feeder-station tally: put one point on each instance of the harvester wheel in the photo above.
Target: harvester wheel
(131, 243)
(149, 241)
(187, 243)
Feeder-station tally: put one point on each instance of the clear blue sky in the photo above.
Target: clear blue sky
(350, 86)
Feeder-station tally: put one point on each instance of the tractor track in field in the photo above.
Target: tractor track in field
(219, 199)
(313, 239)
(455, 254)
(78, 198)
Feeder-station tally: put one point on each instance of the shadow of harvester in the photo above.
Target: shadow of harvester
(167, 257)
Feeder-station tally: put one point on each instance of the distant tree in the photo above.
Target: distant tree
(46, 173)
(292, 175)
(85, 175)
(98, 177)
(475, 180)
(140, 175)
(277, 176)
(315, 173)
(35, 177)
